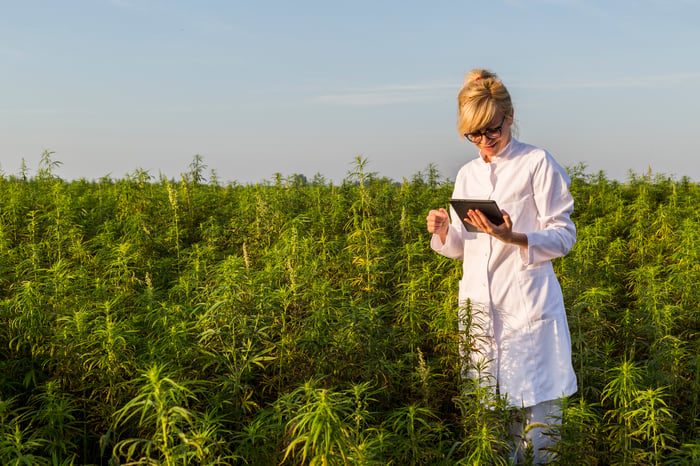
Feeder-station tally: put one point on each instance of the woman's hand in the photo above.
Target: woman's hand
(503, 232)
(438, 222)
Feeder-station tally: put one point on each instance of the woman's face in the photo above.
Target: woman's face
(494, 137)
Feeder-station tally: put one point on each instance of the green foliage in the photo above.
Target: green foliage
(148, 321)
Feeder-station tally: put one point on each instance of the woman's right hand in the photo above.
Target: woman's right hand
(438, 222)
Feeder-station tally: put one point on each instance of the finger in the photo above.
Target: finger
(470, 217)
(434, 221)
(439, 216)
(506, 218)
(473, 219)
(481, 217)
(479, 220)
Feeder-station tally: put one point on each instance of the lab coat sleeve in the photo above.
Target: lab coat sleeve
(556, 234)
(454, 242)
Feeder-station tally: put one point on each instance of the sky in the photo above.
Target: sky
(257, 88)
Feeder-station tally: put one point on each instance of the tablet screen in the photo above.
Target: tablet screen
(486, 206)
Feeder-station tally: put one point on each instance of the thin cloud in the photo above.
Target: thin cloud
(411, 87)
(622, 82)
(586, 8)
(525, 3)
(572, 4)
(39, 111)
(385, 95)
(142, 6)
(121, 3)
(9, 52)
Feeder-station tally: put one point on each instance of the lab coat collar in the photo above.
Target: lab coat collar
(505, 153)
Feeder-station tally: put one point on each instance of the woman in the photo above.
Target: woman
(519, 327)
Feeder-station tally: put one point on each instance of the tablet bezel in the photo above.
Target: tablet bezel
(488, 207)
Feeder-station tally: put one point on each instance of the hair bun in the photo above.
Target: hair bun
(478, 74)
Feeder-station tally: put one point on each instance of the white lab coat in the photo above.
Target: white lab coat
(522, 332)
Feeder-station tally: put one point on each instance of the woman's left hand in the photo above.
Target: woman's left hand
(503, 232)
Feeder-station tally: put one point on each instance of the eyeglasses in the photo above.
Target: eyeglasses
(490, 133)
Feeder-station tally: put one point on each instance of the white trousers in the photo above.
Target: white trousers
(531, 426)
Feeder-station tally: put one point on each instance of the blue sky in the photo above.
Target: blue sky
(264, 87)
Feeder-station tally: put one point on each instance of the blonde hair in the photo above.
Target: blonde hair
(482, 96)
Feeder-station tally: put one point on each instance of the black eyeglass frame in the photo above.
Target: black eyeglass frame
(490, 133)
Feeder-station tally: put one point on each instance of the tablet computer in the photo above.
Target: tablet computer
(487, 207)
